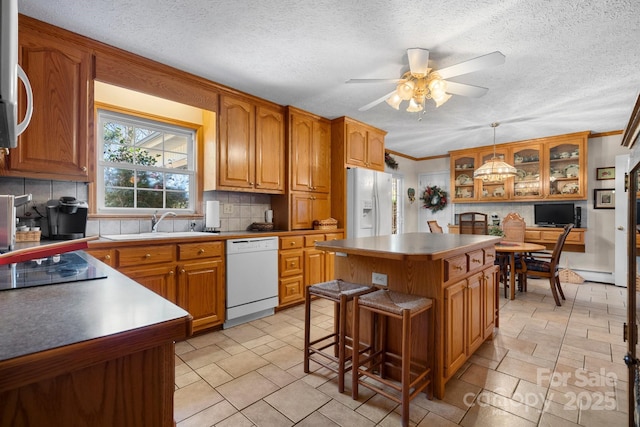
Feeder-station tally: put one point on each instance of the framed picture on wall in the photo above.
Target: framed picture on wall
(604, 198)
(605, 173)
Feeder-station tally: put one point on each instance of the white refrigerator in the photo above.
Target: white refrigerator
(369, 208)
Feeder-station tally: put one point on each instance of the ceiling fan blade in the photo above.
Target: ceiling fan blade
(373, 81)
(376, 102)
(475, 64)
(466, 90)
(418, 60)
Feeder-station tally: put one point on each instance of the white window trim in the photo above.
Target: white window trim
(106, 114)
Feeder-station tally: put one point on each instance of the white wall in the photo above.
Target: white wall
(597, 262)
(600, 237)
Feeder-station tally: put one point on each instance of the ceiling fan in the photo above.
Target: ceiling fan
(421, 82)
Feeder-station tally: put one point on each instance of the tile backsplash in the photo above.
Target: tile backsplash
(237, 210)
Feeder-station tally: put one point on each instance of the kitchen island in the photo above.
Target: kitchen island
(97, 352)
(456, 271)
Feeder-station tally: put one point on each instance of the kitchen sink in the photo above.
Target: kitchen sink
(157, 235)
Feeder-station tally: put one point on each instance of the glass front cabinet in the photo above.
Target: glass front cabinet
(462, 182)
(528, 161)
(551, 168)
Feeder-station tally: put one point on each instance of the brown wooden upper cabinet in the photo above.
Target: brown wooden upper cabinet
(310, 152)
(363, 144)
(551, 168)
(251, 149)
(55, 144)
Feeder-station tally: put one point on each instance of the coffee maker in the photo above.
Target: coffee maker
(67, 218)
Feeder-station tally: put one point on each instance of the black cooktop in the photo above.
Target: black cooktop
(56, 269)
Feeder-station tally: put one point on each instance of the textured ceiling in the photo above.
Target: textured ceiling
(571, 65)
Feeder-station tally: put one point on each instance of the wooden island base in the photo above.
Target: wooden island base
(456, 271)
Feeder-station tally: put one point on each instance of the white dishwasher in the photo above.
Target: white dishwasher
(252, 279)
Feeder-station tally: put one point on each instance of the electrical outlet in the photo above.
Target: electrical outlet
(228, 208)
(379, 279)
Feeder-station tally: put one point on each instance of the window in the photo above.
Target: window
(144, 165)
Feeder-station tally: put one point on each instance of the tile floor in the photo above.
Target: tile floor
(546, 366)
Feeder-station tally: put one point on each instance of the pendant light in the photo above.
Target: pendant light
(494, 169)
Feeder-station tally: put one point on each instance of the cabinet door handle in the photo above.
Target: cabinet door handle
(170, 272)
(292, 243)
(107, 257)
(182, 271)
(200, 251)
(147, 256)
(457, 267)
(476, 260)
(84, 169)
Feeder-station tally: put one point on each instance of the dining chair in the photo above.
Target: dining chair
(434, 227)
(545, 265)
(513, 228)
(473, 223)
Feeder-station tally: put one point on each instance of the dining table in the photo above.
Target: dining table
(510, 249)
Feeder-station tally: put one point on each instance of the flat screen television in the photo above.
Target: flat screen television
(553, 214)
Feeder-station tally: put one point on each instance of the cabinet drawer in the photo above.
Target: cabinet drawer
(489, 256)
(310, 241)
(574, 237)
(532, 235)
(333, 236)
(455, 267)
(291, 289)
(475, 259)
(293, 242)
(145, 255)
(290, 262)
(550, 236)
(200, 250)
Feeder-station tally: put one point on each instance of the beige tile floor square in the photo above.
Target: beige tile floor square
(546, 366)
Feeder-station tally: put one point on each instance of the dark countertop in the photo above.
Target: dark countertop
(410, 245)
(47, 317)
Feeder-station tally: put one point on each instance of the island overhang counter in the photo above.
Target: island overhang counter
(456, 271)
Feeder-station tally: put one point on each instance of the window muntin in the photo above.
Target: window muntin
(144, 165)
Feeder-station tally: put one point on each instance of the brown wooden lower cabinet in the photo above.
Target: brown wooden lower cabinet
(190, 275)
(201, 292)
(122, 391)
(160, 279)
(302, 265)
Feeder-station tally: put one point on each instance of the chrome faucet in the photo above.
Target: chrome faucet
(155, 221)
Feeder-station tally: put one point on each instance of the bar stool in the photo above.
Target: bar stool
(413, 376)
(340, 293)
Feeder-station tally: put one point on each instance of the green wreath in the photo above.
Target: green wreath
(435, 198)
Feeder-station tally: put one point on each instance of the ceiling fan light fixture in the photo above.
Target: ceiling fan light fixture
(442, 99)
(405, 90)
(414, 107)
(394, 101)
(437, 87)
(494, 169)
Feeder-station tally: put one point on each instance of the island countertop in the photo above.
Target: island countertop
(428, 246)
(93, 352)
(47, 317)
